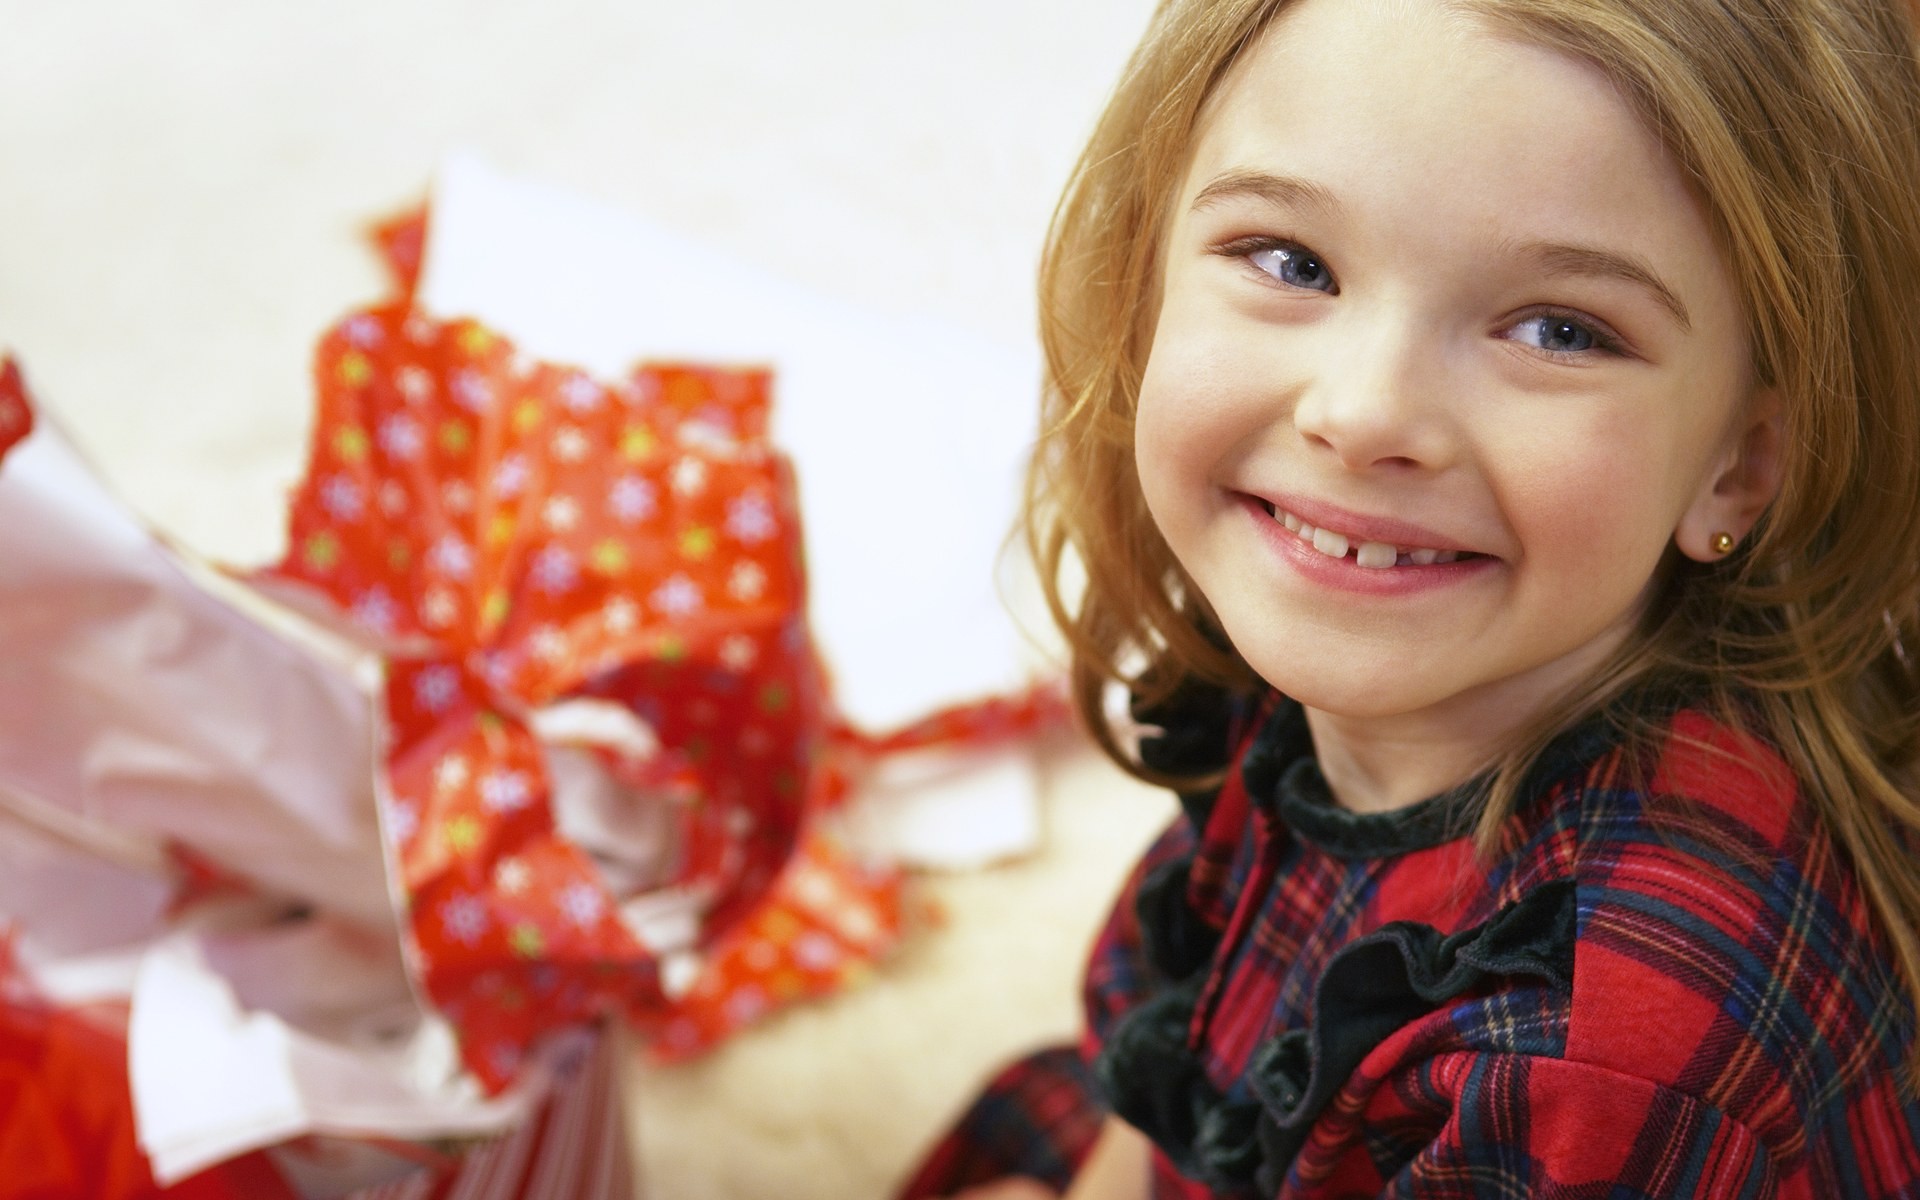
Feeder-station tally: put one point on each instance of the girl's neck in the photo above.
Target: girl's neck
(1378, 763)
(1382, 763)
(1378, 766)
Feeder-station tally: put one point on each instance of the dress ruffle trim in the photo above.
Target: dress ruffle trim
(1192, 729)
(1281, 773)
(1375, 985)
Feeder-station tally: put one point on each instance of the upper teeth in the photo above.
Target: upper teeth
(1370, 554)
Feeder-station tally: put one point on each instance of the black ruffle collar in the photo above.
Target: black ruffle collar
(1244, 1145)
(1282, 775)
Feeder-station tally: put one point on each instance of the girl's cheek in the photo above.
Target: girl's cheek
(1597, 498)
(1205, 387)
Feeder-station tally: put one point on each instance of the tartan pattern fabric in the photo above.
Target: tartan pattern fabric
(1729, 1023)
(1037, 1118)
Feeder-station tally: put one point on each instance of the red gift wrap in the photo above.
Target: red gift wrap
(515, 535)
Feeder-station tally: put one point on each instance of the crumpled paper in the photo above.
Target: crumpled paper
(186, 790)
(911, 435)
(16, 416)
(527, 727)
(871, 798)
(831, 914)
(145, 715)
(525, 546)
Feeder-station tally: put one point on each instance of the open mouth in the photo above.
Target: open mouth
(1374, 555)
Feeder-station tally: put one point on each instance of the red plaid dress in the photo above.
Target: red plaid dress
(1669, 987)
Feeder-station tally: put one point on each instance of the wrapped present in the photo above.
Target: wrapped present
(525, 732)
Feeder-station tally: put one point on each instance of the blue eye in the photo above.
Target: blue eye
(1560, 333)
(1295, 266)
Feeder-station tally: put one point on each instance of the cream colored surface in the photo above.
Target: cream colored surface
(839, 1099)
(179, 212)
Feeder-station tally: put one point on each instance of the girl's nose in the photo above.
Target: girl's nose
(1376, 397)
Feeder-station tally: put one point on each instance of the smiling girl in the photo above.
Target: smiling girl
(1491, 433)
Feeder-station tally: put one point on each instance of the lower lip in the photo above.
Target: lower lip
(1347, 575)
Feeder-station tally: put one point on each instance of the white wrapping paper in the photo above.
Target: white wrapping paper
(142, 714)
(910, 437)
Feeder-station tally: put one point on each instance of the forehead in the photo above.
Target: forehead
(1427, 112)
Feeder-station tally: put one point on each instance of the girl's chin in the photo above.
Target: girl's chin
(1363, 697)
(1338, 670)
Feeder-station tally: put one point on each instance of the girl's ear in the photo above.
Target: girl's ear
(1741, 485)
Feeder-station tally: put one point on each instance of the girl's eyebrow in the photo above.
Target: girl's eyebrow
(1280, 190)
(1560, 258)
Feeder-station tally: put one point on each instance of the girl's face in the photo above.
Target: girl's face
(1437, 295)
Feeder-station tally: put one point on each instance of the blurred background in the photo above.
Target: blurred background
(181, 207)
(185, 182)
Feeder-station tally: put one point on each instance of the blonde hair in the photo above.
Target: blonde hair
(1799, 123)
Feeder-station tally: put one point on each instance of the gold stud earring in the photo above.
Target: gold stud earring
(1723, 543)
